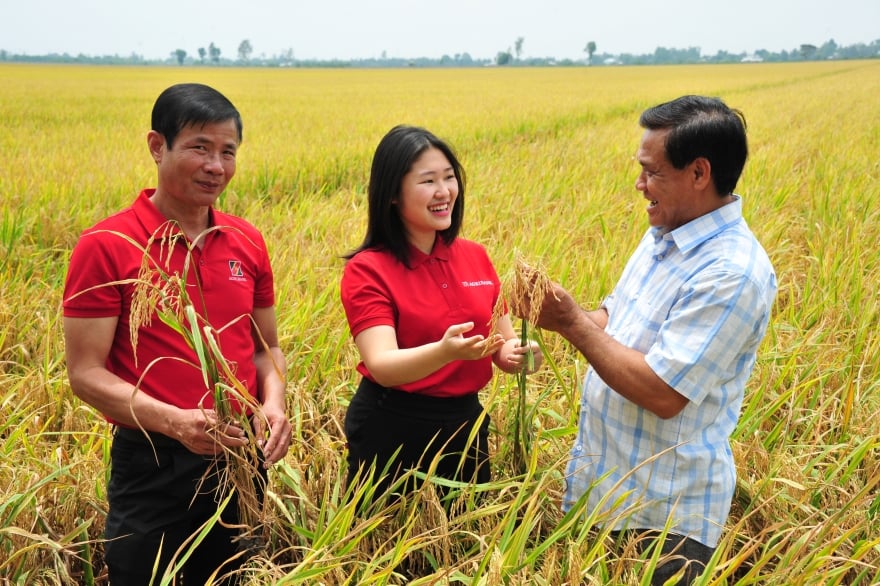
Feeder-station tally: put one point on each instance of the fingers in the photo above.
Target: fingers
(276, 445)
(208, 435)
(471, 347)
(459, 329)
(518, 358)
(203, 434)
(225, 433)
(490, 345)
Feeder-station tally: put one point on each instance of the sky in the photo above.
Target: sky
(364, 29)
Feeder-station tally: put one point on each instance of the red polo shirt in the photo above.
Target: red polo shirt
(452, 285)
(226, 278)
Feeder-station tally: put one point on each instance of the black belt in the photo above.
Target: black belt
(417, 401)
(138, 436)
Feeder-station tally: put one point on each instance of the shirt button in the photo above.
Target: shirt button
(444, 285)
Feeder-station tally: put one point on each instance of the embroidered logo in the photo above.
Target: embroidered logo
(235, 272)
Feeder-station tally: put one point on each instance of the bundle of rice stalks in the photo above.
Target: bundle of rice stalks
(163, 294)
(523, 292)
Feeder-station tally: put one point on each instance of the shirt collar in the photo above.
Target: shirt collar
(439, 252)
(700, 229)
(152, 219)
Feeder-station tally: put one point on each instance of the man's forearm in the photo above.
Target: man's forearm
(271, 376)
(623, 369)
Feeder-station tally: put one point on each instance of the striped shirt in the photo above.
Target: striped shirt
(696, 301)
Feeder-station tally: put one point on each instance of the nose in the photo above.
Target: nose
(213, 163)
(641, 182)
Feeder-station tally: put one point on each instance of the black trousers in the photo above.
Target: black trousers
(399, 431)
(160, 505)
(682, 552)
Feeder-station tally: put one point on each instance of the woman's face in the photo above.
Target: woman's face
(427, 196)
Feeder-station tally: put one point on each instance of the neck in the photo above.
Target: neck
(193, 220)
(424, 243)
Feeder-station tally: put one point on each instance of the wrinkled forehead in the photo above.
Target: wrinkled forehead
(652, 146)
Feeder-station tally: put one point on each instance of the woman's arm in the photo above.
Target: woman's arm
(391, 366)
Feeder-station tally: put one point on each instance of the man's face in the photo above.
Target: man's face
(669, 191)
(196, 170)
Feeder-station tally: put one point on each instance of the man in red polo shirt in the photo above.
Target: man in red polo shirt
(139, 375)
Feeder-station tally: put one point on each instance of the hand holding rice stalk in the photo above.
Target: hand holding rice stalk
(522, 292)
(165, 296)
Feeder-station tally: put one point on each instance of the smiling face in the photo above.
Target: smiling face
(427, 196)
(196, 169)
(672, 199)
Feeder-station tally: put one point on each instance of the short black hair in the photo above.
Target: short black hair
(188, 104)
(705, 127)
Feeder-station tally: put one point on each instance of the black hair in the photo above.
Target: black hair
(393, 159)
(188, 104)
(706, 127)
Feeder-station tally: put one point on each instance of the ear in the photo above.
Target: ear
(702, 173)
(156, 143)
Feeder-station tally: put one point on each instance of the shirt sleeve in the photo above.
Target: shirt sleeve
(92, 286)
(264, 288)
(365, 295)
(707, 334)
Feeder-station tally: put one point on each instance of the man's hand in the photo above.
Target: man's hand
(273, 432)
(202, 433)
(558, 310)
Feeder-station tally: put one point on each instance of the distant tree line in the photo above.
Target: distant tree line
(511, 57)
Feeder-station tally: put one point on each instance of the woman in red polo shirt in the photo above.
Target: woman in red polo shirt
(419, 300)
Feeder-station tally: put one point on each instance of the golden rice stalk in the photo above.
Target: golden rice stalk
(157, 292)
(163, 294)
(522, 293)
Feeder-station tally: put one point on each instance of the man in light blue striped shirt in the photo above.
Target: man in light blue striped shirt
(671, 348)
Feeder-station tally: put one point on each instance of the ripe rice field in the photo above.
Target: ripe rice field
(548, 154)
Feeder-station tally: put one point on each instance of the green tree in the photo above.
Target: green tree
(464, 59)
(503, 58)
(828, 50)
(589, 50)
(808, 51)
(214, 52)
(202, 53)
(180, 55)
(517, 47)
(244, 50)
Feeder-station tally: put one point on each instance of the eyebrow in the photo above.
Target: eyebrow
(201, 139)
(644, 159)
(433, 172)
